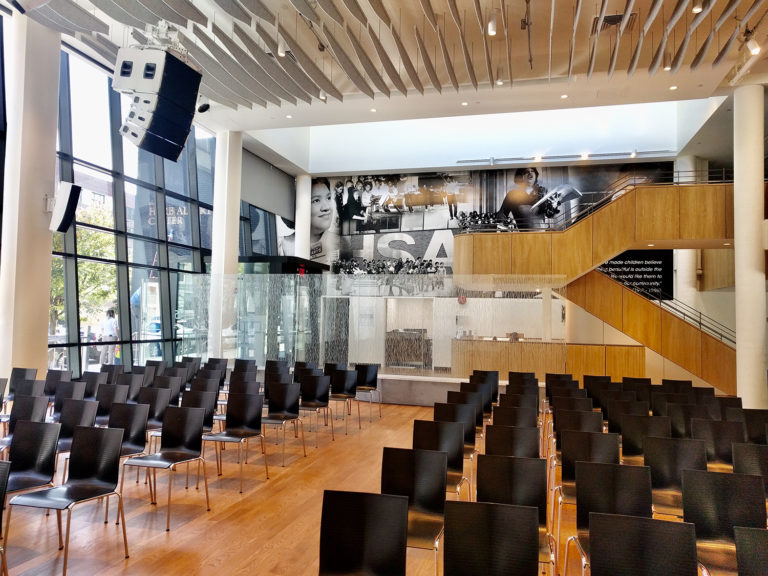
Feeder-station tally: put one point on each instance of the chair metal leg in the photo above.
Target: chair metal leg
(205, 481)
(106, 510)
(58, 523)
(66, 542)
(327, 412)
(121, 514)
(301, 423)
(283, 444)
(264, 452)
(239, 457)
(4, 561)
(170, 485)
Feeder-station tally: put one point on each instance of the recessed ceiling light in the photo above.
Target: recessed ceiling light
(537, 158)
(563, 96)
(633, 154)
(726, 243)
(499, 82)
(323, 95)
(651, 245)
(697, 6)
(288, 116)
(585, 155)
(373, 109)
(673, 87)
(465, 103)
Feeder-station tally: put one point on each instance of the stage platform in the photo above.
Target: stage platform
(412, 390)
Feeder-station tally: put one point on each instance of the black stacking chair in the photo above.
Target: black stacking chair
(237, 386)
(569, 391)
(207, 385)
(725, 402)
(635, 546)
(607, 489)
(18, 375)
(660, 400)
(331, 367)
(420, 475)
(491, 376)
(315, 397)
(680, 416)
(618, 408)
(483, 387)
(31, 388)
(5, 468)
(362, 533)
(751, 459)
(244, 365)
(113, 371)
(715, 502)
(463, 413)
(132, 419)
(582, 404)
(596, 389)
(587, 447)
(187, 371)
(343, 389)
(445, 437)
(134, 383)
(298, 364)
(512, 441)
(755, 420)
(634, 430)
(243, 422)
(157, 399)
(196, 362)
(521, 378)
(640, 386)
(512, 416)
(523, 387)
(93, 471)
(180, 443)
(52, 379)
(158, 365)
(667, 458)
(590, 379)
(300, 373)
(751, 550)
(367, 382)
(676, 386)
(576, 420)
(92, 382)
(66, 390)
(475, 398)
(519, 482)
(25, 408)
(490, 539)
(204, 400)
(74, 413)
(604, 396)
(283, 408)
(719, 437)
(519, 400)
(173, 383)
(33, 455)
(147, 374)
(106, 395)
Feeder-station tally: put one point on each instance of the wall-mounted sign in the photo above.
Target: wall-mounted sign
(649, 272)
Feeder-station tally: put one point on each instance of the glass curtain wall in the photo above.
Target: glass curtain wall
(142, 227)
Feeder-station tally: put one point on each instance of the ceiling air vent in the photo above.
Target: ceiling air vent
(613, 21)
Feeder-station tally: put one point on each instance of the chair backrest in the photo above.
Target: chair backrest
(594, 389)
(580, 403)
(244, 387)
(485, 388)
(512, 441)
(635, 546)
(575, 420)
(751, 550)
(205, 385)
(640, 386)
(132, 419)
(491, 376)
(418, 474)
(612, 489)
(316, 388)
(5, 469)
(173, 383)
(19, 374)
(519, 400)
(677, 386)
(95, 455)
(331, 367)
(362, 533)
(182, 429)
(659, 401)
(304, 364)
(147, 373)
(463, 413)
(367, 375)
(755, 420)
(204, 400)
(726, 402)
(680, 416)
(668, 457)
(33, 448)
(284, 399)
(590, 379)
(344, 382)
(617, 408)
(134, 383)
(113, 371)
(244, 412)
(30, 388)
(702, 394)
(217, 363)
(157, 399)
(715, 502)
(299, 374)
(515, 416)
(490, 539)
(567, 391)
(475, 398)
(196, 362)
(561, 387)
(53, 377)
(553, 377)
(244, 365)
(247, 376)
(529, 387)
(603, 397)
(107, 394)
(445, 437)
(67, 390)
(719, 436)
(276, 366)
(32, 408)
(158, 365)
(176, 371)
(634, 430)
(513, 480)
(521, 378)
(92, 382)
(188, 368)
(587, 447)
(751, 459)
(76, 413)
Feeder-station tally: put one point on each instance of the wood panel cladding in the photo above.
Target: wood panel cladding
(492, 253)
(623, 361)
(613, 229)
(657, 213)
(702, 212)
(583, 359)
(532, 253)
(680, 342)
(718, 364)
(641, 320)
(572, 250)
(603, 297)
(463, 256)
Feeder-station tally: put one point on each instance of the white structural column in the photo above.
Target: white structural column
(303, 215)
(32, 89)
(225, 237)
(748, 244)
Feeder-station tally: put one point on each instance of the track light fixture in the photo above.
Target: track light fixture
(281, 48)
(492, 25)
(753, 46)
(697, 6)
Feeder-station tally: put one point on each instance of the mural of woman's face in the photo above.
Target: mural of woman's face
(321, 209)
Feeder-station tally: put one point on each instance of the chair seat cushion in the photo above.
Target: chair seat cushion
(668, 502)
(26, 480)
(313, 405)
(162, 459)
(719, 556)
(279, 418)
(62, 497)
(231, 436)
(423, 528)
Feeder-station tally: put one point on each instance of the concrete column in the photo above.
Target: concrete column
(749, 251)
(32, 90)
(303, 218)
(225, 237)
(546, 314)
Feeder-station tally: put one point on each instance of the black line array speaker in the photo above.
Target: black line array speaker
(163, 90)
(64, 207)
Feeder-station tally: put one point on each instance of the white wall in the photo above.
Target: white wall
(267, 187)
(367, 319)
(720, 305)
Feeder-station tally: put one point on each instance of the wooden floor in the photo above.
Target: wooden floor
(271, 528)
